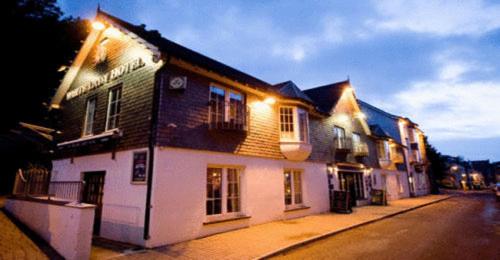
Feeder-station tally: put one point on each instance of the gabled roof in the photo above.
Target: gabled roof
(326, 97)
(388, 123)
(172, 48)
(379, 131)
(290, 90)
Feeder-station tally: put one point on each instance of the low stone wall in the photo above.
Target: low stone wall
(67, 227)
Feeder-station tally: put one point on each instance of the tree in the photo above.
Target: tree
(38, 40)
(437, 165)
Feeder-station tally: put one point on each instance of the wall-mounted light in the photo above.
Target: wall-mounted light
(270, 100)
(98, 25)
(360, 115)
(113, 32)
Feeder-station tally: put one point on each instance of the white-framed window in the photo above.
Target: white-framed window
(88, 125)
(293, 187)
(384, 150)
(226, 108)
(223, 190)
(339, 137)
(294, 124)
(114, 106)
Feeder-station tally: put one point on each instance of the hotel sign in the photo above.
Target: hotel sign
(108, 77)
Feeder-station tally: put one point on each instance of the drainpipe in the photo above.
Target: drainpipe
(151, 146)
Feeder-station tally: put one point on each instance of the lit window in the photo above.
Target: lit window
(383, 150)
(294, 124)
(88, 126)
(223, 191)
(293, 187)
(339, 137)
(227, 109)
(113, 115)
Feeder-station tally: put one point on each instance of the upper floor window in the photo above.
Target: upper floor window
(227, 109)
(223, 191)
(293, 187)
(384, 151)
(340, 138)
(88, 125)
(356, 139)
(294, 124)
(114, 106)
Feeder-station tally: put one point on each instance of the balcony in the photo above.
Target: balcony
(236, 119)
(384, 162)
(296, 151)
(360, 150)
(398, 157)
(342, 147)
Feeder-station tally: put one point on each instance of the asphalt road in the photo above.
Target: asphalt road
(464, 227)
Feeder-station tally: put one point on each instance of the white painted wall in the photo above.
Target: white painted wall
(123, 202)
(67, 228)
(179, 192)
(391, 183)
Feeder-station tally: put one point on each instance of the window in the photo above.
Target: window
(88, 125)
(383, 150)
(223, 190)
(356, 139)
(339, 137)
(293, 187)
(286, 123)
(227, 108)
(214, 191)
(303, 126)
(113, 115)
(294, 124)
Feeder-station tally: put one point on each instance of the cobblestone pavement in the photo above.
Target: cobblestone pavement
(261, 240)
(14, 244)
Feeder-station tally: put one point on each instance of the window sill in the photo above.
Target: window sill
(222, 220)
(291, 209)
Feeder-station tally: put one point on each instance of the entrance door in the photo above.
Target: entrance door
(352, 182)
(92, 194)
(351, 188)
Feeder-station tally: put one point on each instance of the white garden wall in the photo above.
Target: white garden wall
(67, 228)
(123, 202)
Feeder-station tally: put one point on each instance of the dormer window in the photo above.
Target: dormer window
(294, 124)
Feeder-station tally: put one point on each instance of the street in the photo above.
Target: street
(463, 227)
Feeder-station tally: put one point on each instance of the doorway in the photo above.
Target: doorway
(93, 192)
(352, 182)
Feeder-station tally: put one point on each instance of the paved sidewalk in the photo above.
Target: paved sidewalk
(270, 238)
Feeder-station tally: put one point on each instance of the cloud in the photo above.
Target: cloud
(440, 17)
(450, 106)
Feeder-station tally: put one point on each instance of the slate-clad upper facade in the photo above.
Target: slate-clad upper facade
(151, 111)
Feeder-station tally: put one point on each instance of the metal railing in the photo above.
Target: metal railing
(66, 190)
(360, 149)
(233, 117)
(342, 143)
(57, 190)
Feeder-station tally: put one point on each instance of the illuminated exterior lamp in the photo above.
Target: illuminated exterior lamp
(270, 100)
(361, 115)
(348, 89)
(98, 25)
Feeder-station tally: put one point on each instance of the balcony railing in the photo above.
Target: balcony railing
(342, 144)
(360, 149)
(234, 117)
